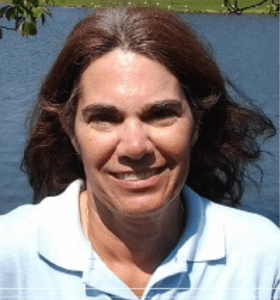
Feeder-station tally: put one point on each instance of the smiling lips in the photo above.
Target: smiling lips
(138, 175)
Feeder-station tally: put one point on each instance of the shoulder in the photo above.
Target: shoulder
(17, 224)
(252, 245)
(241, 222)
(18, 237)
(249, 243)
(235, 220)
(23, 221)
(244, 231)
(19, 229)
(247, 232)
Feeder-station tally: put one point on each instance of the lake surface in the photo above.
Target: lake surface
(245, 47)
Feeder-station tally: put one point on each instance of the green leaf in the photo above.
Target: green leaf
(2, 10)
(43, 17)
(10, 13)
(28, 28)
(17, 2)
(19, 10)
(47, 11)
(37, 12)
(25, 14)
(35, 3)
(19, 21)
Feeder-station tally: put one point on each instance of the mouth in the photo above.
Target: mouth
(138, 175)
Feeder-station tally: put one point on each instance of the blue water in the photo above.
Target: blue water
(246, 48)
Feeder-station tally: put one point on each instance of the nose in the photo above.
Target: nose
(134, 140)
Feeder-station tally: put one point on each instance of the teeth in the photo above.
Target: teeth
(137, 176)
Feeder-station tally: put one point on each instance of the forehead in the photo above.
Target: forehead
(127, 78)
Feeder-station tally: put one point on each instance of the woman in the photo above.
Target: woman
(133, 108)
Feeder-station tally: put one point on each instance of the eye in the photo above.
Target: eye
(163, 117)
(163, 114)
(103, 118)
(103, 121)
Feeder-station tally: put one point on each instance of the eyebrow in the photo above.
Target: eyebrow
(166, 104)
(101, 108)
(95, 109)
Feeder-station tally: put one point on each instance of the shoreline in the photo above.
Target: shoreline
(180, 6)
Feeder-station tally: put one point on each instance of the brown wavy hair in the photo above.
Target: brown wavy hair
(228, 132)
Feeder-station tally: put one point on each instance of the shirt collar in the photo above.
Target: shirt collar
(204, 235)
(60, 236)
(203, 238)
(63, 243)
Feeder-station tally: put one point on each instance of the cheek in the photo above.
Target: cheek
(176, 143)
(95, 149)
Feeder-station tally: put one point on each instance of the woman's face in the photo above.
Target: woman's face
(134, 130)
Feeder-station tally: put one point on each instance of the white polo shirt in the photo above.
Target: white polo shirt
(223, 254)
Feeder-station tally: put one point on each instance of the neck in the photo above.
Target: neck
(140, 241)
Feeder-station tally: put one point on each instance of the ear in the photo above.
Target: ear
(65, 124)
(75, 145)
(69, 132)
(195, 135)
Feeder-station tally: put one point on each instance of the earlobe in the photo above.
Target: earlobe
(75, 145)
(195, 136)
(64, 124)
(69, 132)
